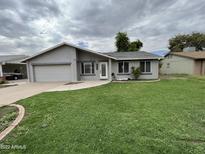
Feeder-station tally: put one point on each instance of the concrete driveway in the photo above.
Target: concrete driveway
(24, 89)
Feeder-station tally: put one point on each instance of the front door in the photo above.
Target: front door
(103, 70)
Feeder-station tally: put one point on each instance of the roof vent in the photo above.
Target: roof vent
(189, 49)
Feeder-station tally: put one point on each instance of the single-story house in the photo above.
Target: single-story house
(192, 63)
(11, 65)
(67, 62)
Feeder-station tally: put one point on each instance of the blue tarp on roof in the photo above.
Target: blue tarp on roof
(161, 53)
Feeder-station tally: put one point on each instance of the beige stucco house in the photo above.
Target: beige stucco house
(192, 63)
(67, 62)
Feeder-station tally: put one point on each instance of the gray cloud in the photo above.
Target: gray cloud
(28, 26)
(34, 9)
(104, 20)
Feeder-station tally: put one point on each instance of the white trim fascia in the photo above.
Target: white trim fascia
(61, 44)
(91, 51)
(139, 58)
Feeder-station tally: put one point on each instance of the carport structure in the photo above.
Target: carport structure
(12, 64)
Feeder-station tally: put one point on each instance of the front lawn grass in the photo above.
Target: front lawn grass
(160, 117)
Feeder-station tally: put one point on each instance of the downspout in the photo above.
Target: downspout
(1, 71)
(28, 71)
(110, 69)
(201, 72)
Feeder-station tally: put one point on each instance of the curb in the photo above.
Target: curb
(18, 119)
(137, 81)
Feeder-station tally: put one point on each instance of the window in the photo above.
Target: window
(87, 68)
(120, 67)
(145, 66)
(169, 56)
(168, 65)
(123, 67)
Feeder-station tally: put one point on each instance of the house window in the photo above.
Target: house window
(123, 67)
(87, 68)
(168, 65)
(145, 66)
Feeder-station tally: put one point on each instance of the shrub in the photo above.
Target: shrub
(2, 80)
(136, 72)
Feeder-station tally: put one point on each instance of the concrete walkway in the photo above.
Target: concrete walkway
(78, 85)
(24, 90)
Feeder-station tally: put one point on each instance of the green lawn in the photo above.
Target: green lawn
(161, 117)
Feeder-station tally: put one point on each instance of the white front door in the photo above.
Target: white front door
(103, 70)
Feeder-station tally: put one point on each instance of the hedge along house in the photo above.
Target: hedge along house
(67, 62)
(192, 63)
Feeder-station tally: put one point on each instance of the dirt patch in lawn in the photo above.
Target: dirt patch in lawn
(7, 116)
(71, 83)
(192, 140)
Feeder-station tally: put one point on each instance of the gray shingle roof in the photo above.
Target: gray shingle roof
(12, 58)
(132, 55)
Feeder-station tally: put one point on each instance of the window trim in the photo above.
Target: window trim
(145, 66)
(123, 67)
(92, 68)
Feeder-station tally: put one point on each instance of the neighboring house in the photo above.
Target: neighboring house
(192, 63)
(66, 62)
(11, 64)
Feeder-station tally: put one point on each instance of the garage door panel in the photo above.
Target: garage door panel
(52, 73)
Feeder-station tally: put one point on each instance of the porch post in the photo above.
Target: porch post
(110, 70)
(1, 71)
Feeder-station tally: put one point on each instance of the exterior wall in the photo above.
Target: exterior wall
(199, 67)
(62, 54)
(84, 56)
(65, 54)
(177, 65)
(153, 75)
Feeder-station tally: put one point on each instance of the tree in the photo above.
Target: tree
(122, 41)
(179, 42)
(135, 45)
(197, 40)
(123, 44)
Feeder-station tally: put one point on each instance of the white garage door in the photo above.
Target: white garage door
(52, 73)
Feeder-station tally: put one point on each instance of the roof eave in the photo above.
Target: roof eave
(183, 56)
(43, 51)
(139, 58)
(61, 44)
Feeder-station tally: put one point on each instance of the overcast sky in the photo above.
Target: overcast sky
(27, 26)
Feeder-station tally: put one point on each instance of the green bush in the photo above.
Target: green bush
(2, 80)
(136, 72)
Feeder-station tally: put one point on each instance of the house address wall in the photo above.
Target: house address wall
(177, 65)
